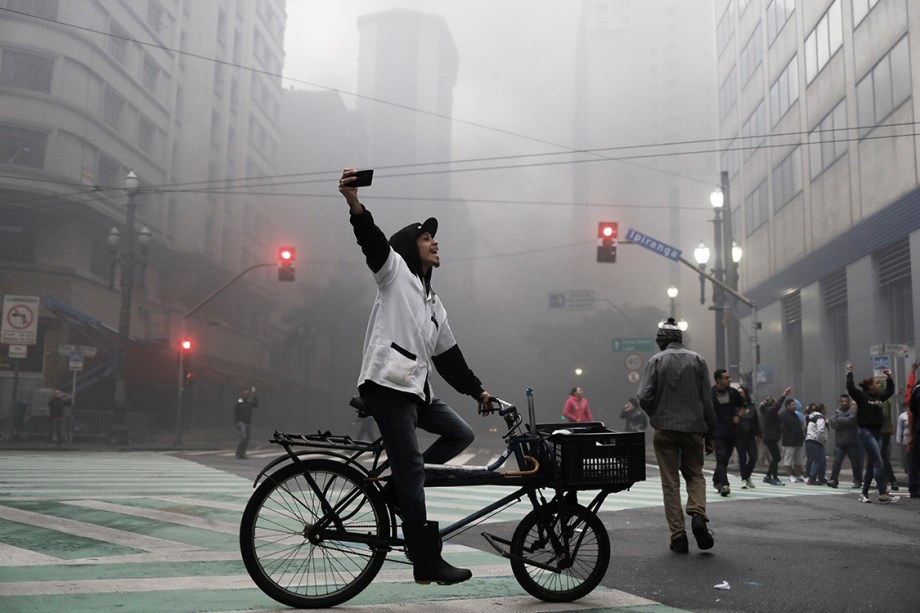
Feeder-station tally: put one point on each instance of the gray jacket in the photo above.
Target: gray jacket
(844, 423)
(675, 392)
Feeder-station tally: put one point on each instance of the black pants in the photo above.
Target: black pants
(913, 468)
(773, 448)
(724, 447)
(397, 415)
(747, 455)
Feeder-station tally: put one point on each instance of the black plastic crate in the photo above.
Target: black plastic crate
(592, 457)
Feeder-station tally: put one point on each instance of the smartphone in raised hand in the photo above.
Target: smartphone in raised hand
(363, 178)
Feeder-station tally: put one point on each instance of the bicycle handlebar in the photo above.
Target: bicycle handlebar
(497, 405)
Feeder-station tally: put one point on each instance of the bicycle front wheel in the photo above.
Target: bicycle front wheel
(579, 564)
(293, 550)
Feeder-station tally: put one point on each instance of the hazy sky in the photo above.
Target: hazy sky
(509, 52)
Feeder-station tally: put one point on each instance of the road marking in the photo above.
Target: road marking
(169, 517)
(92, 531)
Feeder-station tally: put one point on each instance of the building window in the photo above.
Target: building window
(726, 27)
(756, 208)
(834, 290)
(112, 107)
(145, 134)
(784, 91)
(26, 71)
(13, 244)
(46, 9)
(728, 93)
(778, 13)
(861, 8)
(792, 329)
(110, 173)
(22, 147)
(155, 15)
(885, 88)
(118, 42)
(823, 41)
(828, 141)
(730, 159)
(787, 179)
(751, 55)
(150, 75)
(754, 130)
(894, 281)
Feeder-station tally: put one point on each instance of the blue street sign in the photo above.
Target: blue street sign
(652, 244)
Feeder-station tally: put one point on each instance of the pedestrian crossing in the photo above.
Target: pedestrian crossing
(148, 531)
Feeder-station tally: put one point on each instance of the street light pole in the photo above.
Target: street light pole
(672, 294)
(733, 331)
(718, 295)
(119, 430)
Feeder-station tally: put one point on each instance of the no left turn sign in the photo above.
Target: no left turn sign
(20, 320)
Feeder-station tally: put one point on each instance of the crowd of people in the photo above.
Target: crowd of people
(864, 428)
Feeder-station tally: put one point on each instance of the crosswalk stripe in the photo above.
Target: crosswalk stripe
(84, 529)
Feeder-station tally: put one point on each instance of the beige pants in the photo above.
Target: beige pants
(680, 453)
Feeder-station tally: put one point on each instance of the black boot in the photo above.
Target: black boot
(424, 548)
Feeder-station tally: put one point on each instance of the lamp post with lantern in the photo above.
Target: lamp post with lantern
(118, 432)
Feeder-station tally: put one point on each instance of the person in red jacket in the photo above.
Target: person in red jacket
(576, 407)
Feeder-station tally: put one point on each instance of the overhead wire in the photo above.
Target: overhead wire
(226, 186)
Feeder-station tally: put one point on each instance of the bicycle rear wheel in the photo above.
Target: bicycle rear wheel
(580, 564)
(286, 538)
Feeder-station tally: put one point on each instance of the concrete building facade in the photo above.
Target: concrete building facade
(187, 96)
(817, 107)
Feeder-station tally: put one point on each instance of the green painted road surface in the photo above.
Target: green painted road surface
(148, 532)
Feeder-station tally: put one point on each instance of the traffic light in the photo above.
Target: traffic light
(285, 263)
(607, 241)
(188, 377)
(185, 351)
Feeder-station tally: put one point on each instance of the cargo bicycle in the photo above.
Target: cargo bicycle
(318, 527)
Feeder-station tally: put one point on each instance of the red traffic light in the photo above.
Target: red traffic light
(286, 263)
(607, 241)
(607, 229)
(185, 345)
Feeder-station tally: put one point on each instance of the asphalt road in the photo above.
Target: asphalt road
(804, 554)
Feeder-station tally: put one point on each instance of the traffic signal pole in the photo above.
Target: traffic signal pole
(177, 438)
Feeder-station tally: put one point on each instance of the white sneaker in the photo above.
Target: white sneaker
(864, 498)
(744, 484)
(749, 483)
(888, 499)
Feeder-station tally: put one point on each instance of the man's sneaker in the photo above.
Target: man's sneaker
(888, 499)
(744, 484)
(832, 483)
(681, 544)
(864, 498)
(749, 483)
(777, 481)
(725, 490)
(702, 534)
(856, 485)
(768, 480)
(811, 482)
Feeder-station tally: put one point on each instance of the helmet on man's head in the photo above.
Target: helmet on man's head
(668, 332)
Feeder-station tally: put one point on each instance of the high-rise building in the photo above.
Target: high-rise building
(186, 96)
(644, 91)
(817, 103)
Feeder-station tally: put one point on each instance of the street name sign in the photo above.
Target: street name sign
(654, 245)
(634, 345)
(573, 300)
(20, 320)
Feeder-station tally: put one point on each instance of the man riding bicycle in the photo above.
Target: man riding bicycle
(407, 335)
